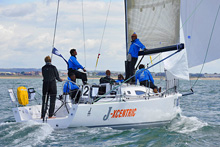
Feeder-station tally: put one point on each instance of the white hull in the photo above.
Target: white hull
(120, 112)
(146, 113)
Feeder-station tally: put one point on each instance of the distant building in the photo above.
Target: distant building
(215, 75)
(195, 75)
(160, 74)
(7, 73)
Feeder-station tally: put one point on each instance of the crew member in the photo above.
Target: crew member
(107, 78)
(120, 79)
(74, 66)
(50, 75)
(135, 46)
(145, 78)
(71, 88)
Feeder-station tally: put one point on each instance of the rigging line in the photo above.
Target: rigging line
(154, 58)
(187, 19)
(192, 14)
(55, 28)
(104, 30)
(208, 46)
(84, 34)
(135, 75)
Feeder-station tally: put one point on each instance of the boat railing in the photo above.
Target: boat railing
(72, 93)
(94, 93)
(172, 86)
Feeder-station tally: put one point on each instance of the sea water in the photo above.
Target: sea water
(198, 124)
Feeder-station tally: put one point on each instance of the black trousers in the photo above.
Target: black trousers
(148, 84)
(79, 75)
(75, 94)
(49, 92)
(130, 68)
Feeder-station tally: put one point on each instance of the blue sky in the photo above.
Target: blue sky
(26, 32)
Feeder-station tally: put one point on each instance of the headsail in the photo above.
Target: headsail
(177, 66)
(201, 23)
(200, 19)
(156, 22)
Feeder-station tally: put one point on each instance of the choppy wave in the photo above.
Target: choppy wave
(184, 124)
(198, 124)
(23, 134)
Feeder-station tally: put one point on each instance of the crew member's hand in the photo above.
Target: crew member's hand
(84, 69)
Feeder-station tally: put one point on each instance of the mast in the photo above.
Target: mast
(126, 28)
(126, 36)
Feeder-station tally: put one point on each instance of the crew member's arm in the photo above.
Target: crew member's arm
(73, 86)
(65, 88)
(77, 64)
(57, 75)
(43, 72)
(141, 45)
(112, 81)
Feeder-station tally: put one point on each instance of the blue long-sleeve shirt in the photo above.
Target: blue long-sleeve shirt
(119, 81)
(136, 45)
(74, 64)
(143, 75)
(69, 86)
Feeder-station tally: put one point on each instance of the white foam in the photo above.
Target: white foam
(186, 125)
(29, 137)
(7, 123)
(40, 134)
(93, 131)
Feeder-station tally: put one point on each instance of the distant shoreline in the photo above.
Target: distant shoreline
(64, 77)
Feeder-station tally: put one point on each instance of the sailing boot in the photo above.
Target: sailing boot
(160, 90)
(155, 90)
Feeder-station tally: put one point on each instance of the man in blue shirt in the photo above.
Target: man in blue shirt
(74, 65)
(72, 89)
(135, 47)
(145, 78)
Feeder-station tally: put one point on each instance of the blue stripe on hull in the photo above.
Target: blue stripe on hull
(135, 125)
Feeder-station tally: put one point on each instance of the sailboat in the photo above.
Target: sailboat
(159, 24)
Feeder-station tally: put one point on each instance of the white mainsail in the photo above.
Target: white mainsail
(156, 22)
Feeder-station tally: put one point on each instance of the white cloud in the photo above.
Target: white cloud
(17, 10)
(26, 32)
